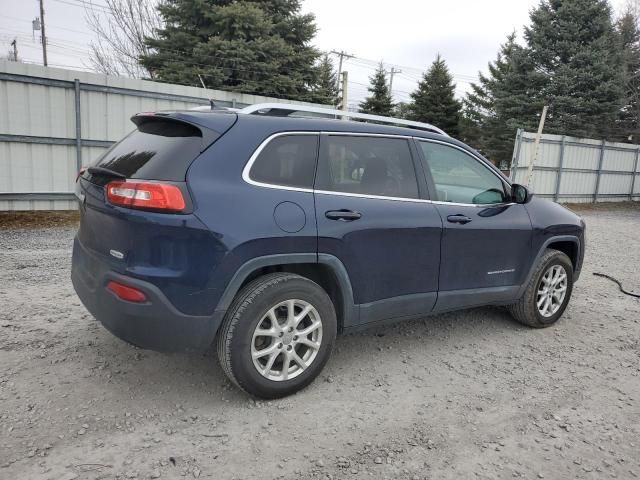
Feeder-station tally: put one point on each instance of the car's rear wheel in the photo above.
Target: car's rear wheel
(548, 292)
(277, 335)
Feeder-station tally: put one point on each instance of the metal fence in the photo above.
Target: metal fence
(577, 170)
(52, 121)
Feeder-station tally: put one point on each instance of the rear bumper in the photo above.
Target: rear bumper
(155, 324)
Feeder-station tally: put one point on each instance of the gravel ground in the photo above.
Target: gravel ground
(465, 395)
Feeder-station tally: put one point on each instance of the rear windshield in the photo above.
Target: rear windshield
(159, 149)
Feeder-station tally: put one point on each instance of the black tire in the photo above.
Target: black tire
(525, 310)
(246, 311)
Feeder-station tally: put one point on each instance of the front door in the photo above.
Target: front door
(371, 217)
(486, 240)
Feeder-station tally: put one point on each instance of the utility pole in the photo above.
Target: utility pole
(342, 56)
(536, 147)
(44, 36)
(392, 72)
(14, 44)
(344, 97)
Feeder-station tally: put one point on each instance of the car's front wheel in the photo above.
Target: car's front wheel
(277, 335)
(548, 292)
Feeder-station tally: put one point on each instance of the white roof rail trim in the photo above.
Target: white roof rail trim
(258, 107)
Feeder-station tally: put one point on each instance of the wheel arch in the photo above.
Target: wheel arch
(563, 243)
(571, 248)
(325, 270)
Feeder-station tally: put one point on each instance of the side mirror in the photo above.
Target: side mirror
(520, 193)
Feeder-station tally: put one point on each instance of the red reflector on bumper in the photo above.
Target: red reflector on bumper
(124, 292)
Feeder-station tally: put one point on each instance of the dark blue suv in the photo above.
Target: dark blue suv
(267, 234)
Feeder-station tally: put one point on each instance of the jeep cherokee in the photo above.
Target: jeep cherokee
(268, 234)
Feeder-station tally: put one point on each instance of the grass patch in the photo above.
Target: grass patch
(38, 219)
(602, 206)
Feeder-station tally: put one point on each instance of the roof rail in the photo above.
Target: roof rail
(286, 109)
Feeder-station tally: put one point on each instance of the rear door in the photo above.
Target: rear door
(373, 216)
(487, 239)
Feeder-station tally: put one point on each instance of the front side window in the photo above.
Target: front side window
(288, 160)
(460, 178)
(377, 166)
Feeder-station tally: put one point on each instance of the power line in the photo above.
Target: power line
(342, 56)
(87, 6)
(359, 61)
(49, 24)
(50, 43)
(373, 64)
(235, 67)
(57, 43)
(280, 70)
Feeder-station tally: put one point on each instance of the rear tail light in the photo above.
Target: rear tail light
(155, 196)
(127, 293)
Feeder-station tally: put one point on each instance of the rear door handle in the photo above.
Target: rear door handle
(343, 215)
(461, 219)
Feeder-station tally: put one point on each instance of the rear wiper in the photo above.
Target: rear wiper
(105, 172)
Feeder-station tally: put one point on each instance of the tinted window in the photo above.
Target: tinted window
(288, 160)
(158, 149)
(461, 178)
(368, 166)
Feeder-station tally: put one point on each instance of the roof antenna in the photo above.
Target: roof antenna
(211, 102)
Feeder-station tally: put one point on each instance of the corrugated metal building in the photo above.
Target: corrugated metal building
(578, 170)
(52, 121)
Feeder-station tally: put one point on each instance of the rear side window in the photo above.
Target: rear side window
(288, 160)
(368, 166)
(159, 149)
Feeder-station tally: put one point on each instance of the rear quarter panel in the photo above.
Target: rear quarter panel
(156, 247)
(239, 215)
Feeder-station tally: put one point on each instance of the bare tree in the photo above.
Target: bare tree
(121, 27)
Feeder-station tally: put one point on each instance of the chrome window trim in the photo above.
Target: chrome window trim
(478, 205)
(373, 197)
(247, 169)
(356, 134)
(409, 200)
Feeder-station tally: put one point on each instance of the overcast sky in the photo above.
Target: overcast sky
(404, 33)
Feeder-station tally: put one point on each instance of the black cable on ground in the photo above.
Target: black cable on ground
(619, 284)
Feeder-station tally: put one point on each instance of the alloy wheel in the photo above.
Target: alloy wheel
(286, 340)
(551, 290)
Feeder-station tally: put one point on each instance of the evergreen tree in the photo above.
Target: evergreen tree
(402, 110)
(434, 101)
(572, 62)
(473, 124)
(503, 100)
(325, 90)
(629, 33)
(379, 102)
(574, 45)
(261, 47)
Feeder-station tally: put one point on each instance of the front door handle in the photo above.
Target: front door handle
(343, 215)
(461, 219)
